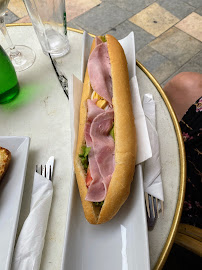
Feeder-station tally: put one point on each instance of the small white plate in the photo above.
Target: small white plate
(120, 244)
(11, 190)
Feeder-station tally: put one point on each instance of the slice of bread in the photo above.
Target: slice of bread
(5, 158)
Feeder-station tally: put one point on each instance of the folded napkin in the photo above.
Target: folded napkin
(144, 150)
(152, 167)
(29, 247)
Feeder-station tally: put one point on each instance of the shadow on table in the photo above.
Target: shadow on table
(182, 259)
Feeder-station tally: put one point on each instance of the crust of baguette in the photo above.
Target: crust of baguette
(125, 139)
(5, 158)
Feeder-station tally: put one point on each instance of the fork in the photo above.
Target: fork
(152, 205)
(44, 172)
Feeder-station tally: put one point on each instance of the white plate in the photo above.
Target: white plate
(11, 190)
(120, 244)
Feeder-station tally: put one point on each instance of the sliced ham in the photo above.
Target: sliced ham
(93, 109)
(99, 70)
(97, 41)
(103, 143)
(101, 156)
(99, 123)
(87, 135)
(96, 190)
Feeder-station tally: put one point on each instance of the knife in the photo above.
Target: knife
(61, 77)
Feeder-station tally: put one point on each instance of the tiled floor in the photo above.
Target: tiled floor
(154, 19)
(168, 33)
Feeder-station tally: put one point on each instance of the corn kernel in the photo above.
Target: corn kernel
(96, 96)
(101, 103)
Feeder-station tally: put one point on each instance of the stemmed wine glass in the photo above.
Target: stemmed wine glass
(21, 56)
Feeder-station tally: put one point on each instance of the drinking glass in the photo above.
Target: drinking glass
(22, 57)
(49, 21)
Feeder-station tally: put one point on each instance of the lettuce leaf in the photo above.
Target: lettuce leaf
(112, 132)
(103, 38)
(99, 203)
(84, 156)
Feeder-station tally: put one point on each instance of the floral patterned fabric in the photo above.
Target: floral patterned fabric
(191, 126)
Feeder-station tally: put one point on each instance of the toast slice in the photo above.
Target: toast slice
(5, 158)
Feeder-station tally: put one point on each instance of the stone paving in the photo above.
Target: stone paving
(168, 34)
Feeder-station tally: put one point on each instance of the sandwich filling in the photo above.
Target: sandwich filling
(99, 129)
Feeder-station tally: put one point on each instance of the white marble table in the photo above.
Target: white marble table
(41, 111)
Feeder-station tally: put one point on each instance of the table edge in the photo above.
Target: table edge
(176, 220)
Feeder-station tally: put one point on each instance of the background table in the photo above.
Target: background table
(41, 111)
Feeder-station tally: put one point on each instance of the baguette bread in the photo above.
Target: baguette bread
(5, 158)
(125, 139)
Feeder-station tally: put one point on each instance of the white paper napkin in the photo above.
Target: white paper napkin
(143, 143)
(152, 167)
(29, 247)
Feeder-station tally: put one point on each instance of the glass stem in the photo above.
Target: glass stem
(13, 51)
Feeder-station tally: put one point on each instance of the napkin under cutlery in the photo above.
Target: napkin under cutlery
(152, 167)
(29, 246)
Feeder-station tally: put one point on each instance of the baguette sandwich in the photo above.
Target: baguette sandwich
(105, 155)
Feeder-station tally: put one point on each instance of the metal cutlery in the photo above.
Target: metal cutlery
(44, 171)
(153, 206)
(47, 170)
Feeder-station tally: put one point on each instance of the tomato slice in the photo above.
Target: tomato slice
(89, 179)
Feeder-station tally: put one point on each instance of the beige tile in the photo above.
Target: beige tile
(25, 19)
(192, 25)
(74, 8)
(154, 19)
(18, 8)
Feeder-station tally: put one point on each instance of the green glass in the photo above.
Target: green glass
(9, 87)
